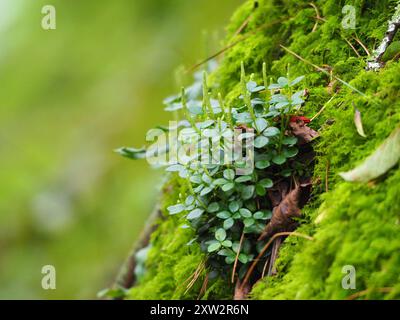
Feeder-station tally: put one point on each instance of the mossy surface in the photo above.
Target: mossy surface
(358, 224)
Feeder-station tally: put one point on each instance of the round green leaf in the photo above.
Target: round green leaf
(228, 186)
(227, 243)
(243, 179)
(230, 260)
(189, 200)
(286, 172)
(194, 214)
(223, 215)
(271, 132)
(195, 179)
(229, 174)
(243, 258)
(260, 124)
(213, 207)
(247, 192)
(214, 246)
(234, 206)
(220, 234)
(220, 181)
(206, 178)
(228, 223)
(176, 208)
(290, 152)
(266, 183)
(245, 213)
(248, 222)
(205, 191)
(289, 140)
(262, 164)
(279, 159)
(258, 215)
(260, 190)
(283, 82)
(260, 142)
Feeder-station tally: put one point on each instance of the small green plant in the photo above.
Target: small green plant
(226, 204)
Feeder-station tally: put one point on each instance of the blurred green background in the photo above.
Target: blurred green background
(68, 97)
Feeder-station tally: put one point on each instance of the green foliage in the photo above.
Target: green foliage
(222, 204)
(351, 223)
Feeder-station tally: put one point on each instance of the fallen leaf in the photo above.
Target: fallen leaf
(304, 133)
(288, 208)
(358, 123)
(278, 192)
(384, 158)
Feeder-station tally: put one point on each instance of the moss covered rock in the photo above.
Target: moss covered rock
(351, 223)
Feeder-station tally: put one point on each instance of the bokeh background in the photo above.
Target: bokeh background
(68, 97)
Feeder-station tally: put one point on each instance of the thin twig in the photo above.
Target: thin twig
(366, 291)
(229, 46)
(237, 257)
(197, 273)
(354, 49)
(255, 261)
(362, 45)
(323, 108)
(265, 267)
(243, 25)
(193, 276)
(203, 287)
(323, 70)
(318, 17)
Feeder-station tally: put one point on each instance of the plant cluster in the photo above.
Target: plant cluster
(228, 211)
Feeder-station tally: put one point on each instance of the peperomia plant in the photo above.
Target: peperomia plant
(230, 155)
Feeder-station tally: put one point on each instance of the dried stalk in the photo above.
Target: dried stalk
(264, 249)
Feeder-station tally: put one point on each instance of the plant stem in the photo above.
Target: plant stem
(206, 98)
(245, 93)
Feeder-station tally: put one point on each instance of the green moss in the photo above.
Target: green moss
(359, 223)
(171, 261)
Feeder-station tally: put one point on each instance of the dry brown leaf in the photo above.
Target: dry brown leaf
(304, 133)
(289, 208)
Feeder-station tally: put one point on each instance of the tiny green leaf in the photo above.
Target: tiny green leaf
(245, 213)
(214, 246)
(234, 206)
(220, 181)
(228, 223)
(266, 183)
(227, 243)
(223, 214)
(262, 164)
(228, 186)
(248, 222)
(220, 234)
(176, 209)
(229, 174)
(247, 192)
(243, 179)
(194, 214)
(260, 124)
(271, 131)
(260, 142)
(213, 207)
(279, 159)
